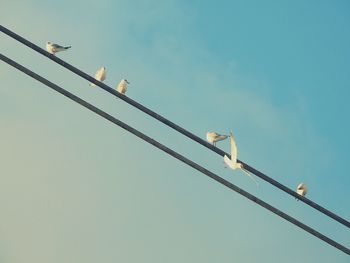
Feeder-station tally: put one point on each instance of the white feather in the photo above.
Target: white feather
(100, 75)
(122, 86)
(214, 137)
(232, 163)
(302, 189)
(53, 48)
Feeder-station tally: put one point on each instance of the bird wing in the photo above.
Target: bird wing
(233, 148)
(57, 46)
(99, 74)
(103, 77)
(251, 177)
(123, 86)
(96, 77)
(120, 86)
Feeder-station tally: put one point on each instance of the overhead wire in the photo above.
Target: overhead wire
(176, 155)
(174, 126)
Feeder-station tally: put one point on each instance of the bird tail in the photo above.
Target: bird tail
(251, 177)
(68, 47)
(92, 85)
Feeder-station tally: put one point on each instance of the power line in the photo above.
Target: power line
(176, 155)
(173, 125)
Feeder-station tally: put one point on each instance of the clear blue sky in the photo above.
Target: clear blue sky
(75, 188)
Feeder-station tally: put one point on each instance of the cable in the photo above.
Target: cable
(173, 126)
(175, 155)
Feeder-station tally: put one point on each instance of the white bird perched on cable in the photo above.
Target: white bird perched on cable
(302, 189)
(100, 75)
(53, 48)
(232, 163)
(214, 137)
(122, 86)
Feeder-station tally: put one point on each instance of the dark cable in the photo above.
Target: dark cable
(176, 155)
(173, 125)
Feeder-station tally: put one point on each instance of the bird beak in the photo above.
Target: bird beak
(127, 82)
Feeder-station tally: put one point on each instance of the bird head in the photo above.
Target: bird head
(302, 189)
(126, 81)
(302, 186)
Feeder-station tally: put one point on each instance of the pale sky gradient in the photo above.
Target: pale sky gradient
(76, 189)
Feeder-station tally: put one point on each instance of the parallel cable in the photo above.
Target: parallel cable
(175, 155)
(173, 125)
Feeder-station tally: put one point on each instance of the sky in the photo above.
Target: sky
(76, 188)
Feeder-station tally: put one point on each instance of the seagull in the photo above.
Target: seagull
(54, 48)
(122, 86)
(100, 75)
(302, 189)
(214, 137)
(232, 163)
